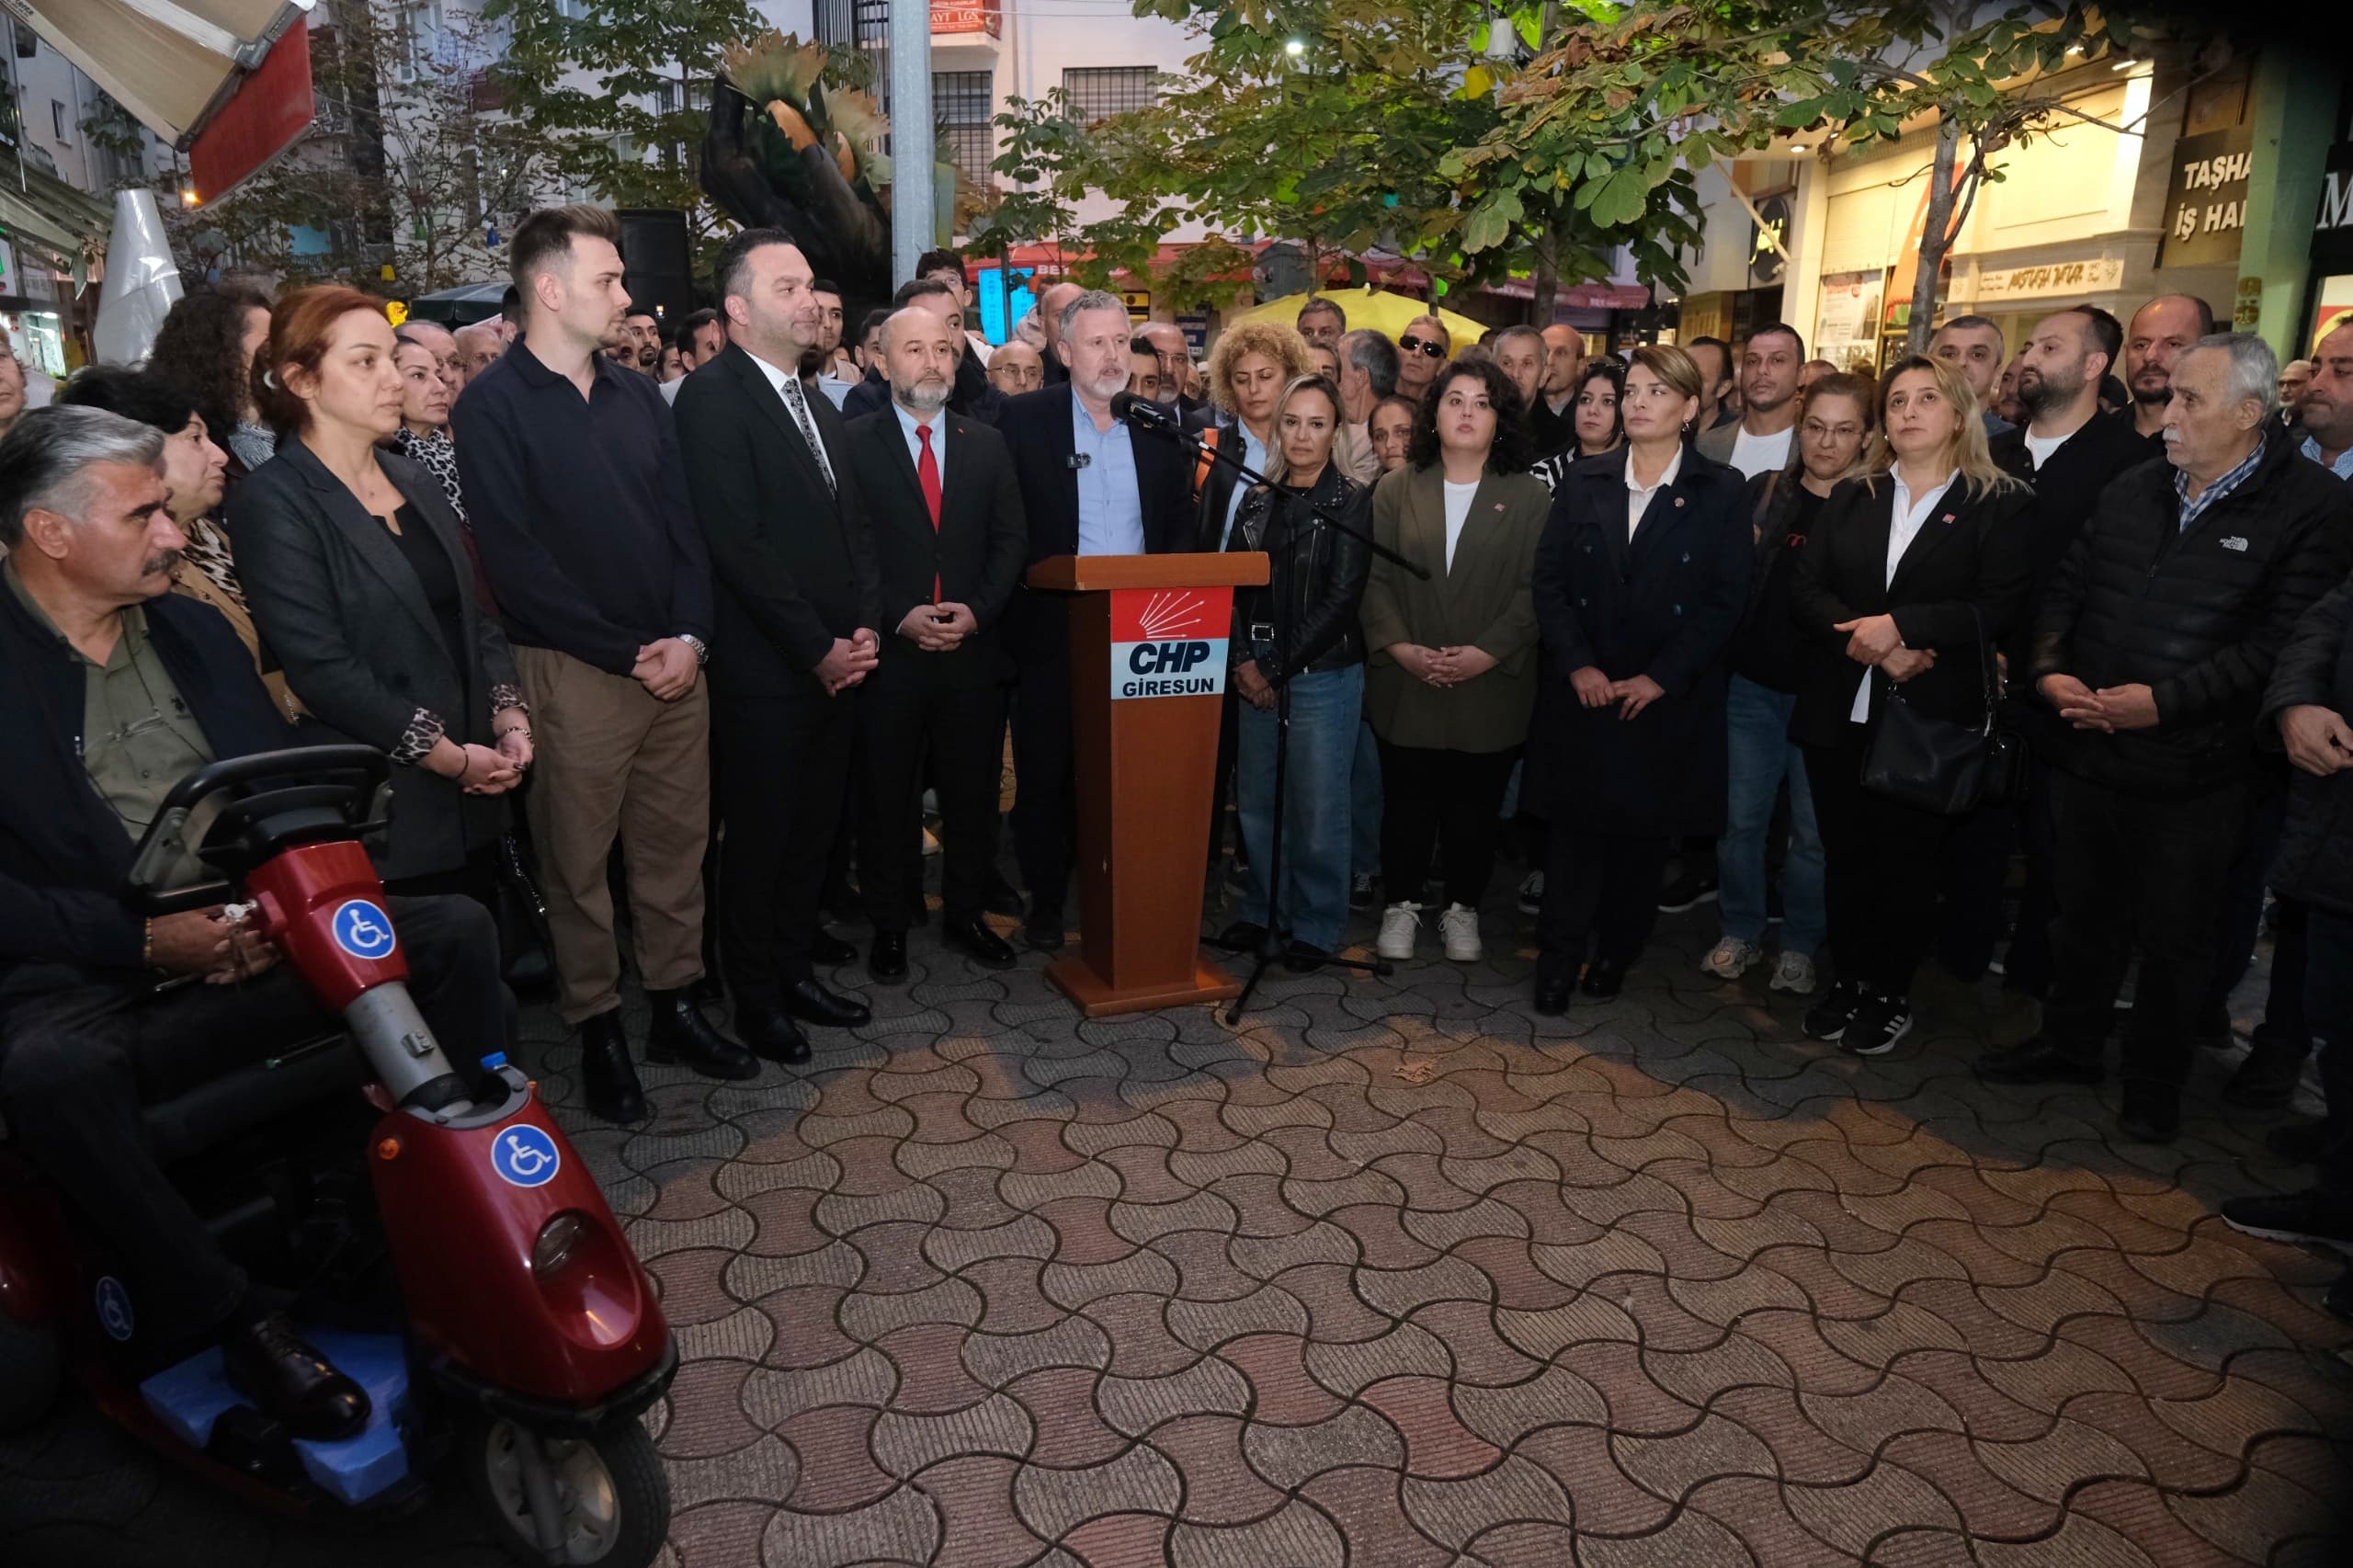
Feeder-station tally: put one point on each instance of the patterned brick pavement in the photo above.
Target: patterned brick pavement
(1400, 1275)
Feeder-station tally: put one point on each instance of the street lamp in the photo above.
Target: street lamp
(1294, 47)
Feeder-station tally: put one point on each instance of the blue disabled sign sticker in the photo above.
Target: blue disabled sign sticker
(114, 1309)
(525, 1155)
(363, 931)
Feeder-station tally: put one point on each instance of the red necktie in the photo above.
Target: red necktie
(928, 476)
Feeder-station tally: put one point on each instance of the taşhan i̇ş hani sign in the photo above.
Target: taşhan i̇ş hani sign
(1170, 641)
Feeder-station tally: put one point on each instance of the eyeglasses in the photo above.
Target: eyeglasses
(1413, 345)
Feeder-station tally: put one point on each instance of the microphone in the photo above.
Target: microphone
(1136, 411)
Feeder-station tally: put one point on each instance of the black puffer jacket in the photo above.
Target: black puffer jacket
(2316, 862)
(2197, 617)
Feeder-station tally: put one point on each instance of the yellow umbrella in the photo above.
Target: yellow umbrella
(1384, 312)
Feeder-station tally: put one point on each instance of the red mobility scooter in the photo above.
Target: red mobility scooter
(495, 1317)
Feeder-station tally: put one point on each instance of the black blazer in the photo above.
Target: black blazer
(1214, 493)
(1663, 604)
(791, 562)
(1037, 430)
(1974, 551)
(975, 554)
(342, 611)
(63, 853)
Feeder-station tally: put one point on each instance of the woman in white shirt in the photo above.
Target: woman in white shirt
(1910, 576)
(1451, 673)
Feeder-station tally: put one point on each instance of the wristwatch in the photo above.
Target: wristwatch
(702, 653)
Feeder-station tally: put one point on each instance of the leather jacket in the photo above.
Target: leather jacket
(1317, 577)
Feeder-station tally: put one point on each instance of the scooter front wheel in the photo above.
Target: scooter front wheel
(605, 1494)
(31, 1371)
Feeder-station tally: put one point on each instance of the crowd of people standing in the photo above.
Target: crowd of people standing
(736, 596)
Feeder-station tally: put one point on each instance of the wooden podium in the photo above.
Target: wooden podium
(1148, 670)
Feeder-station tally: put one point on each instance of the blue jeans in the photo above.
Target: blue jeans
(1762, 755)
(1364, 811)
(1324, 708)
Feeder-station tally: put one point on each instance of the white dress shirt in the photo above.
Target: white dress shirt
(1638, 497)
(1903, 526)
(802, 420)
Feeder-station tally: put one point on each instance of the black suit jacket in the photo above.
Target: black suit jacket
(1037, 430)
(1974, 552)
(2065, 490)
(337, 603)
(791, 562)
(977, 553)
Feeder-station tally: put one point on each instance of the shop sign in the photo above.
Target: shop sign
(964, 17)
(1766, 241)
(1844, 328)
(2332, 229)
(2097, 276)
(2206, 198)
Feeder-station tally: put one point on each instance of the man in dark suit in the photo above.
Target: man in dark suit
(949, 538)
(768, 468)
(969, 394)
(1090, 485)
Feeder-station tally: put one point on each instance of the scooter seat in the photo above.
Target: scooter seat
(221, 1108)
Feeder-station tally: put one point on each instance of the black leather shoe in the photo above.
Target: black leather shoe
(2152, 1112)
(278, 1370)
(2037, 1062)
(1553, 997)
(772, 1036)
(1604, 978)
(1242, 936)
(2299, 1142)
(970, 935)
(887, 960)
(1045, 931)
(607, 1077)
(812, 1004)
(1002, 898)
(830, 951)
(1305, 957)
(681, 1034)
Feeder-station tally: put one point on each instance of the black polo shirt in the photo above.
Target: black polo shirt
(579, 510)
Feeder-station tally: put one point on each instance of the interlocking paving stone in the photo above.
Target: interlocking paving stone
(1660, 1284)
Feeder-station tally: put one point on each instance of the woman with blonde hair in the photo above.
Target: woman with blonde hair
(1639, 586)
(1251, 364)
(1910, 577)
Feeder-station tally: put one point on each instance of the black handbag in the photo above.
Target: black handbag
(1937, 765)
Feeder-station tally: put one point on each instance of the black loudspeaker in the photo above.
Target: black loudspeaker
(657, 261)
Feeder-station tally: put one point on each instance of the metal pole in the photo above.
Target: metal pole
(911, 135)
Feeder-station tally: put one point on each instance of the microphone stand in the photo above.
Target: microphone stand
(1285, 508)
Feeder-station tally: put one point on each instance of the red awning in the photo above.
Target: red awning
(1580, 296)
(267, 113)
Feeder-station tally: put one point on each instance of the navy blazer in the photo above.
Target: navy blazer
(1037, 428)
(1665, 604)
(63, 853)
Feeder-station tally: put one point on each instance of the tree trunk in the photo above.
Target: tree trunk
(1547, 287)
(1935, 236)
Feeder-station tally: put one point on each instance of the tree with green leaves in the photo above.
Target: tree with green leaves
(1620, 104)
(1329, 124)
(618, 90)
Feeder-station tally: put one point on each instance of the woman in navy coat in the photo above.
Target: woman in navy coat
(1639, 583)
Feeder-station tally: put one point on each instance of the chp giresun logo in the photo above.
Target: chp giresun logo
(1170, 641)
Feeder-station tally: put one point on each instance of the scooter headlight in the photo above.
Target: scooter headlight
(553, 1249)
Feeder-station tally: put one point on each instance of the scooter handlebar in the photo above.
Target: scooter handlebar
(336, 786)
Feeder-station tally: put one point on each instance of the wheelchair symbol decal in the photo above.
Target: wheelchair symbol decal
(363, 931)
(114, 1309)
(525, 1155)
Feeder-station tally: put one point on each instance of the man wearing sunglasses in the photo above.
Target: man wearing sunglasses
(1424, 347)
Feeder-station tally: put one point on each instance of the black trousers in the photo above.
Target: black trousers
(1453, 800)
(2134, 870)
(2328, 1003)
(2285, 1026)
(1601, 887)
(1045, 799)
(1881, 862)
(77, 1064)
(948, 706)
(784, 770)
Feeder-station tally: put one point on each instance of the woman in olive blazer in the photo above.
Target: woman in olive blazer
(1451, 673)
(358, 577)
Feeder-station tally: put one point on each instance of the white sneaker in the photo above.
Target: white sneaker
(1532, 894)
(1399, 923)
(1794, 975)
(1459, 926)
(1732, 957)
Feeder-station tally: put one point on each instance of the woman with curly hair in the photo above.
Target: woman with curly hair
(206, 346)
(1251, 365)
(1453, 657)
